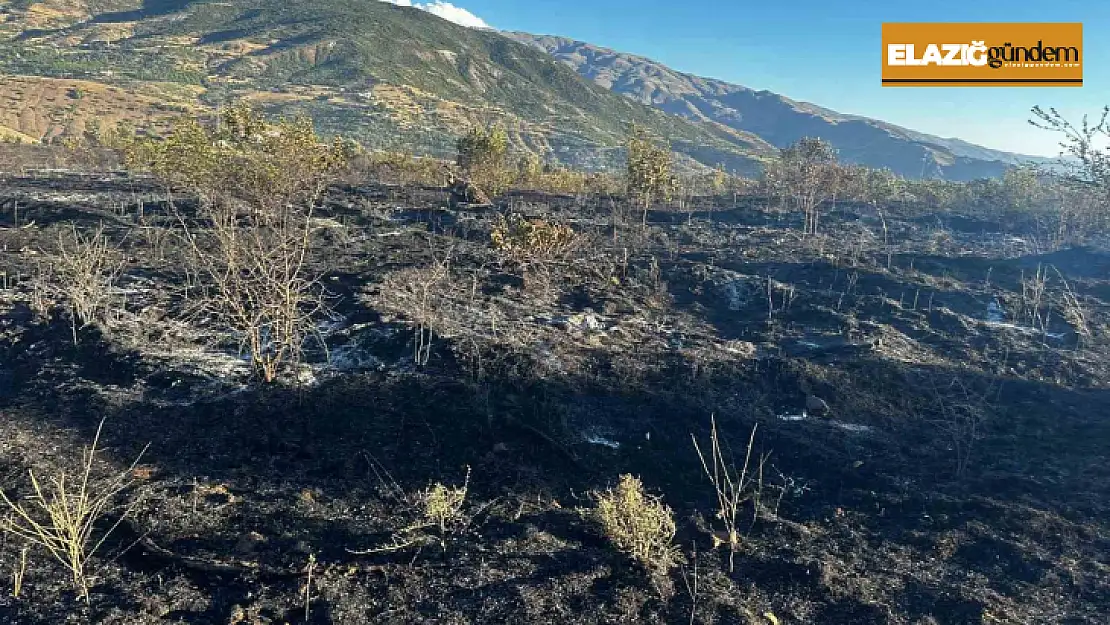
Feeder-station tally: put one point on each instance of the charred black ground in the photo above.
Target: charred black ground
(960, 477)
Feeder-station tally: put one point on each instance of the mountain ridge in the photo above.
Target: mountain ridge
(66, 65)
(776, 118)
(343, 63)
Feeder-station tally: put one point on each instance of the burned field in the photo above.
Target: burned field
(958, 475)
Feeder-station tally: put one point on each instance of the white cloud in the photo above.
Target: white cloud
(447, 11)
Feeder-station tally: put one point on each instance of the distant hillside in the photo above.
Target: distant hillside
(774, 118)
(400, 78)
(393, 77)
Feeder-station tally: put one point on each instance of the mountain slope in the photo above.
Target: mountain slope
(777, 119)
(390, 76)
(400, 78)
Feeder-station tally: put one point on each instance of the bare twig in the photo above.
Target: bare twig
(733, 488)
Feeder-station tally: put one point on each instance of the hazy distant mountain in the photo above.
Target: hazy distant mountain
(775, 118)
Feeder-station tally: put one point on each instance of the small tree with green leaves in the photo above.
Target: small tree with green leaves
(530, 170)
(258, 183)
(718, 179)
(483, 154)
(807, 173)
(1085, 143)
(1021, 189)
(877, 187)
(649, 166)
(1088, 174)
(934, 193)
(883, 187)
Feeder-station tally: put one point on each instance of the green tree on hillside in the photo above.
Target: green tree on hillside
(807, 173)
(649, 169)
(483, 154)
(257, 183)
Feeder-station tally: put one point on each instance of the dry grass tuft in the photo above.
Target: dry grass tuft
(61, 515)
(440, 506)
(443, 504)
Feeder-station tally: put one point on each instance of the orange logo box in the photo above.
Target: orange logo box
(982, 55)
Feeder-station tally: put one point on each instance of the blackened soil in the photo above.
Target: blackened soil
(961, 476)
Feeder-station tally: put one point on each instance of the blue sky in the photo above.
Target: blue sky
(828, 52)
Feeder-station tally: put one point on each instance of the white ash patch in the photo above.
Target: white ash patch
(601, 436)
(856, 428)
